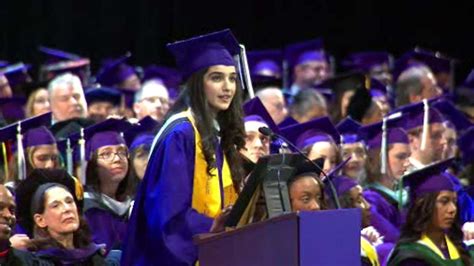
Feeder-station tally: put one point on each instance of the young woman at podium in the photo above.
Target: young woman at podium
(194, 171)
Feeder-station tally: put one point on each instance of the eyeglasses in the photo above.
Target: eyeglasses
(109, 156)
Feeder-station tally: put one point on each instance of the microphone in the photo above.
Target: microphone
(269, 133)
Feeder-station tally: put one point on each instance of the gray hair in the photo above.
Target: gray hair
(305, 100)
(138, 97)
(66, 78)
(409, 83)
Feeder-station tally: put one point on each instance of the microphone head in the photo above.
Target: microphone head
(265, 131)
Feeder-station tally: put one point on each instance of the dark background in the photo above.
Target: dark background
(102, 28)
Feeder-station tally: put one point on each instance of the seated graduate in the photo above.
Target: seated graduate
(37, 149)
(107, 200)
(194, 171)
(350, 196)
(48, 208)
(306, 192)
(318, 138)
(352, 145)
(10, 255)
(383, 190)
(431, 234)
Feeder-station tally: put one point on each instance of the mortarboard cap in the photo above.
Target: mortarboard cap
(63, 129)
(414, 114)
(308, 133)
(170, 77)
(429, 179)
(302, 52)
(114, 71)
(416, 57)
(359, 104)
(203, 51)
(255, 109)
(38, 136)
(344, 82)
(466, 145)
(142, 140)
(348, 128)
(58, 62)
(377, 88)
(27, 195)
(366, 60)
(288, 121)
(108, 132)
(16, 74)
(343, 184)
(265, 63)
(103, 94)
(9, 132)
(55, 55)
(146, 125)
(372, 135)
(452, 114)
(12, 108)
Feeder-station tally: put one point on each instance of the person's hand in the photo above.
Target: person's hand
(219, 222)
(372, 235)
(468, 230)
(19, 241)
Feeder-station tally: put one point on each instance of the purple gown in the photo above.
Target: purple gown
(163, 222)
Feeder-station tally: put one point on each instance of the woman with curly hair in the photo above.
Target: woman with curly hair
(431, 234)
(194, 171)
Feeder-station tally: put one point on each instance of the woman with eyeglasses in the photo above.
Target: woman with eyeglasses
(107, 199)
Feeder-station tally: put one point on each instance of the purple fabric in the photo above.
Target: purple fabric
(106, 227)
(115, 71)
(267, 68)
(434, 183)
(394, 135)
(343, 184)
(385, 217)
(101, 139)
(348, 129)
(302, 52)
(316, 130)
(144, 139)
(70, 256)
(164, 236)
(38, 136)
(366, 60)
(265, 63)
(466, 145)
(383, 251)
(204, 51)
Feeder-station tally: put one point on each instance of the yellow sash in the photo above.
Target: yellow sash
(369, 251)
(453, 251)
(206, 188)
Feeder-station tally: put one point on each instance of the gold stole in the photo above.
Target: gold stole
(206, 188)
(369, 251)
(453, 251)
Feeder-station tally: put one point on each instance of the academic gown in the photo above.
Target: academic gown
(465, 202)
(108, 225)
(163, 221)
(16, 257)
(88, 256)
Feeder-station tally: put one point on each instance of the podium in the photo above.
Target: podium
(326, 238)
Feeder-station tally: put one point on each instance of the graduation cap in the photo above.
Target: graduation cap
(359, 104)
(38, 136)
(348, 128)
(366, 60)
(29, 192)
(103, 94)
(61, 130)
(58, 62)
(302, 52)
(3, 63)
(429, 179)
(114, 71)
(418, 56)
(288, 121)
(15, 132)
(343, 184)
(344, 82)
(376, 88)
(16, 74)
(466, 145)
(469, 81)
(143, 140)
(255, 112)
(217, 48)
(308, 133)
(382, 134)
(146, 125)
(12, 108)
(266, 63)
(452, 114)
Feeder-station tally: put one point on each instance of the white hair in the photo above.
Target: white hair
(150, 84)
(66, 78)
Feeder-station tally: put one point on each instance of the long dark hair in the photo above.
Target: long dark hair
(230, 121)
(419, 218)
(93, 180)
(324, 202)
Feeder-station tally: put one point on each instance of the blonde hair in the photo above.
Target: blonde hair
(31, 102)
